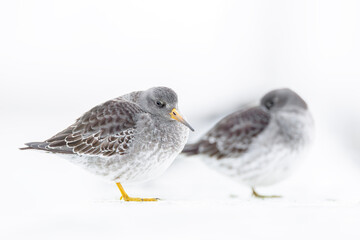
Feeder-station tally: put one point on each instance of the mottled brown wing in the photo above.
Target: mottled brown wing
(105, 130)
(232, 135)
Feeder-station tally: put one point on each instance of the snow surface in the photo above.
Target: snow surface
(60, 58)
(45, 196)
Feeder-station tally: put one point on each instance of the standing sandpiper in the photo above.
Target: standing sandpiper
(132, 138)
(258, 146)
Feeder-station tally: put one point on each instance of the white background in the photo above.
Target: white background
(60, 58)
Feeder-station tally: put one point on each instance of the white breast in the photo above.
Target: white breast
(153, 153)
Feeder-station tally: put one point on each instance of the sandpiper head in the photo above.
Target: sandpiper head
(163, 102)
(283, 99)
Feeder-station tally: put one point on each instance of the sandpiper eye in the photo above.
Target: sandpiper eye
(160, 104)
(269, 104)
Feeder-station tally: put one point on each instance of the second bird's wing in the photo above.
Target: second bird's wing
(231, 136)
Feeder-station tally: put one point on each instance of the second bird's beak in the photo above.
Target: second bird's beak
(176, 115)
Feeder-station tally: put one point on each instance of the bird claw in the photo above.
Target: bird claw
(131, 199)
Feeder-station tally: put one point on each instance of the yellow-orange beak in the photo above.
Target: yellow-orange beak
(176, 115)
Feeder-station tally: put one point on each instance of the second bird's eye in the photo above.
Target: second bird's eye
(269, 104)
(160, 104)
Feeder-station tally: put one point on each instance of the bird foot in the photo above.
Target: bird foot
(132, 199)
(126, 198)
(255, 194)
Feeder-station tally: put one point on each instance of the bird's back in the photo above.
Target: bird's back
(106, 129)
(231, 136)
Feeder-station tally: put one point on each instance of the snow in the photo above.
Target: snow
(47, 197)
(60, 58)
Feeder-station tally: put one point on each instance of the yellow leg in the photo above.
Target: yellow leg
(125, 197)
(255, 194)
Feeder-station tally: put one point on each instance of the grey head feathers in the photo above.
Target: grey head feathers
(159, 101)
(284, 98)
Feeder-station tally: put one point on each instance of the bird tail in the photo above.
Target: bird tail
(191, 149)
(36, 146)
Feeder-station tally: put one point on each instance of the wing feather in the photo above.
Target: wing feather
(232, 136)
(106, 129)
